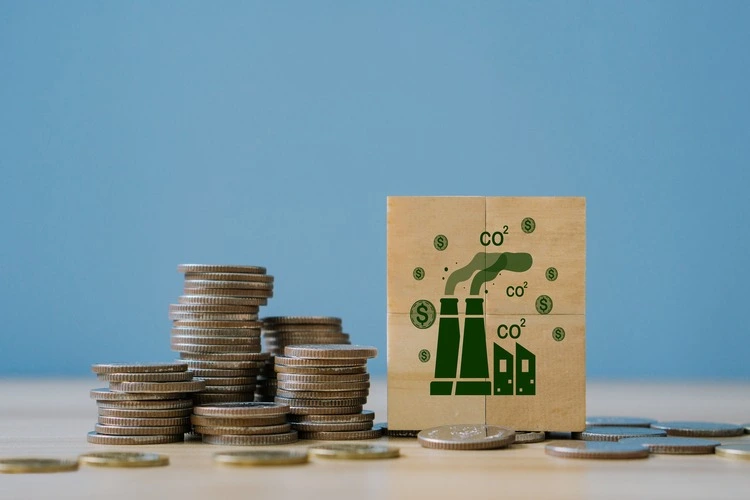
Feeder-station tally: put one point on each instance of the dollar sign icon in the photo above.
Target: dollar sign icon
(543, 304)
(528, 225)
(551, 274)
(424, 355)
(418, 273)
(440, 242)
(422, 314)
(558, 334)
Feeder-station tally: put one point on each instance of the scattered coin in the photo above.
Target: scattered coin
(734, 450)
(138, 367)
(95, 438)
(616, 433)
(354, 451)
(330, 351)
(619, 422)
(36, 465)
(262, 457)
(124, 459)
(595, 449)
(674, 445)
(528, 437)
(466, 437)
(260, 440)
(699, 429)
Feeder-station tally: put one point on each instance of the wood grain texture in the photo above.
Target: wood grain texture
(51, 418)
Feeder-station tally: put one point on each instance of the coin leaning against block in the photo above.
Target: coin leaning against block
(466, 437)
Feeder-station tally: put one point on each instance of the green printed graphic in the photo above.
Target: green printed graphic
(474, 353)
(488, 265)
(528, 225)
(551, 274)
(422, 314)
(525, 371)
(449, 337)
(424, 355)
(440, 242)
(558, 334)
(544, 304)
(502, 377)
(418, 273)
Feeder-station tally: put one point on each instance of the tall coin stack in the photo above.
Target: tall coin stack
(282, 331)
(145, 403)
(216, 328)
(243, 424)
(325, 387)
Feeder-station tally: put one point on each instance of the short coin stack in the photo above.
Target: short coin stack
(281, 331)
(216, 328)
(145, 403)
(326, 385)
(243, 424)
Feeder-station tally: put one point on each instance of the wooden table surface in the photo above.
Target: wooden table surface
(52, 417)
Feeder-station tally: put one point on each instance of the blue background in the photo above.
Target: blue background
(138, 135)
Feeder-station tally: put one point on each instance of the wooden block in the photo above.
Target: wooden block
(462, 271)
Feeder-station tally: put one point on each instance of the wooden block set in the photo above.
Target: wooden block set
(486, 312)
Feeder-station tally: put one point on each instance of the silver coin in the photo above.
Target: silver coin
(699, 429)
(526, 437)
(673, 445)
(737, 450)
(616, 433)
(595, 449)
(466, 437)
(619, 422)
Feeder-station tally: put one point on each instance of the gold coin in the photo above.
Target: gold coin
(243, 430)
(138, 367)
(222, 301)
(220, 268)
(260, 440)
(263, 278)
(159, 387)
(466, 437)
(124, 459)
(36, 465)
(354, 451)
(94, 438)
(327, 351)
(261, 457)
(146, 377)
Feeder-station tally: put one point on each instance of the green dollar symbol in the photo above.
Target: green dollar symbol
(544, 304)
(528, 225)
(418, 273)
(422, 314)
(424, 355)
(558, 334)
(551, 274)
(440, 242)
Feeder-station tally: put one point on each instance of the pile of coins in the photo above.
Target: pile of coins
(216, 328)
(145, 403)
(326, 386)
(243, 424)
(282, 331)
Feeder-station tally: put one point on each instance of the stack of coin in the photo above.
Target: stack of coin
(243, 424)
(145, 403)
(216, 328)
(325, 386)
(281, 331)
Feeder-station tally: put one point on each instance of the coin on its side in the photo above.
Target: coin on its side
(595, 450)
(159, 387)
(331, 426)
(95, 438)
(262, 457)
(138, 367)
(354, 451)
(528, 437)
(323, 370)
(736, 450)
(330, 351)
(291, 361)
(244, 409)
(220, 268)
(373, 433)
(145, 413)
(616, 433)
(674, 445)
(105, 394)
(242, 430)
(466, 437)
(699, 429)
(36, 465)
(124, 459)
(619, 422)
(363, 416)
(146, 377)
(238, 421)
(165, 404)
(322, 410)
(259, 440)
